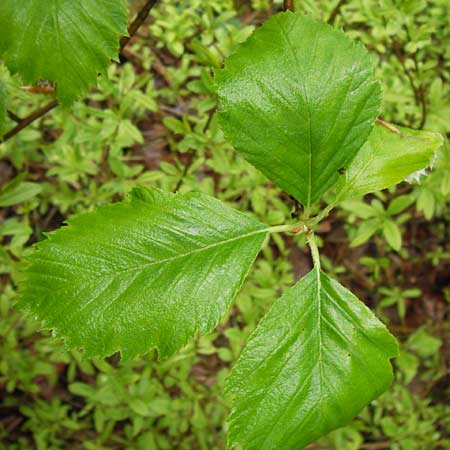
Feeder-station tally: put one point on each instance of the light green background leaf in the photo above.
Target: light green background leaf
(392, 234)
(388, 158)
(64, 41)
(298, 100)
(148, 272)
(3, 101)
(315, 360)
(18, 191)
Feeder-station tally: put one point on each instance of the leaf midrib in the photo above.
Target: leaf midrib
(319, 329)
(308, 110)
(195, 251)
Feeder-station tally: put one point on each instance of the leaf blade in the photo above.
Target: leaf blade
(388, 158)
(296, 127)
(18, 193)
(295, 380)
(145, 273)
(65, 42)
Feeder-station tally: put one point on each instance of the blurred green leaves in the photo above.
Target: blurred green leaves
(18, 191)
(3, 101)
(377, 218)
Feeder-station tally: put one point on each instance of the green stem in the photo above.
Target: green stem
(324, 213)
(314, 250)
(295, 228)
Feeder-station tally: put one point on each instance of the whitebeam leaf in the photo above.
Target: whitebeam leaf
(298, 100)
(315, 360)
(388, 157)
(65, 41)
(140, 274)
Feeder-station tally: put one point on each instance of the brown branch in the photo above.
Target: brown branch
(133, 27)
(29, 119)
(13, 116)
(288, 5)
(387, 125)
(376, 445)
(37, 89)
(137, 22)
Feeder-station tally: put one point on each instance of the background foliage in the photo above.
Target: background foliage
(151, 122)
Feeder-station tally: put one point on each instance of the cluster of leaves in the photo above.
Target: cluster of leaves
(74, 185)
(142, 274)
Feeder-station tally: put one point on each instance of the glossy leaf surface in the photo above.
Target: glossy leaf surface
(315, 360)
(64, 41)
(298, 100)
(148, 272)
(387, 158)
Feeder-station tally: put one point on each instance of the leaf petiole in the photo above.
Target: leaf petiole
(310, 238)
(324, 213)
(296, 228)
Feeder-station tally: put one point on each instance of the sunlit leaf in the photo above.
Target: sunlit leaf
(298, 100)
(387, 158)
(64, 41)
(315, 360)
(140, 274)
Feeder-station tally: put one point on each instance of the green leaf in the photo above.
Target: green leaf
(392, 234)
(139, 407)
(424, 344)
(315, 360)
(3, 102)
(18, 192)
(399, 204)
(359, 208)
(408, 363)
(148, 272)
(64, 41)
(365, 231)
(426, 202)
(204, 54)
(298, 100)
(387, 158)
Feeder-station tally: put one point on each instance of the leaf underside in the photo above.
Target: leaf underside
(140, 274)
(314, 361)
(298, 100)
(387, 158)
(64, 41)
